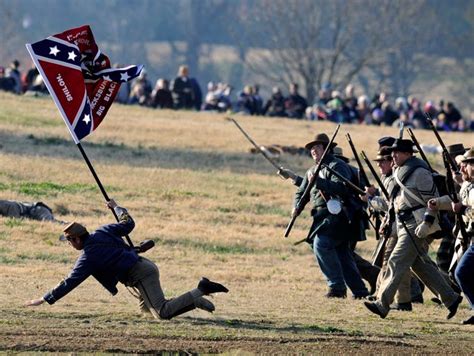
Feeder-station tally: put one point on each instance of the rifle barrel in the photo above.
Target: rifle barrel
(274, 164)
(420, 150)
(376, 177)
(356, 156)
(344, 180)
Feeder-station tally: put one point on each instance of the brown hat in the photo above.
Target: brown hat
(468, 156)
(456, 149)
(402, 145)
(74, 229)
(383, 154)
(320, 139)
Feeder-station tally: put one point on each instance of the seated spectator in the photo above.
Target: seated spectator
(403, 118)
(401, 105)
(37, 87)
(363, 110)
(430, 109)
(275, 106)
(417, 117)
(324, 95)
(453, 117)
(295, 104)
(29, 78)
(349, 97)
(6, 83)
(335, 108)
(316, 112)
(389, 115)
(161, 96)
(246, 102)
(138, 95)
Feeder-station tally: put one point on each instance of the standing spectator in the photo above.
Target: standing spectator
(161, 96)
(275, 106)
(14, 73)
(197, 93)
(295, 104)
(257, 99)
(183, 89)
(417, 116)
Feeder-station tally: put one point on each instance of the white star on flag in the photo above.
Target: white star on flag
(124, 76)
(72, 56)
(107, 78)
(54, 50)
(87, 119)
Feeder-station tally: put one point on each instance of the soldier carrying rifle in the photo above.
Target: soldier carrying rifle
(414, 224)
(465, 265)
(333, 217)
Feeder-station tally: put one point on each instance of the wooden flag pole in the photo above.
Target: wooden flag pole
(101, 187)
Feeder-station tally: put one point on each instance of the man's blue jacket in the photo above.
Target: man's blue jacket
(105, 256)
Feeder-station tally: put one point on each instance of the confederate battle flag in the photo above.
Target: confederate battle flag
(79, 78)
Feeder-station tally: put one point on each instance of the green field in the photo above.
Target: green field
(213, 210)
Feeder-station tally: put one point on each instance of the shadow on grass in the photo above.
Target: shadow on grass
(139, 156)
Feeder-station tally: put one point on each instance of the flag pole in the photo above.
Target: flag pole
(101, 187)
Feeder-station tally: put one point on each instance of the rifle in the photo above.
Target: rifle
(376, 177)
(362, 173)
(420, 150)
(454, 166)
(274, 164)
(311, 183)
(377, 256)
(346, 181)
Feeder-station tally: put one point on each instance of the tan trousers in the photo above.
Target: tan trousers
(405, 256)
(145, 277)
(403, 294)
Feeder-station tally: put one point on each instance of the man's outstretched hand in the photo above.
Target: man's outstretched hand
(34, 302)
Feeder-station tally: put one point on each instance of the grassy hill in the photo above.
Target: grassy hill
(213, 210)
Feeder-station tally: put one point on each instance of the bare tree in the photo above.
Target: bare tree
(310, 41)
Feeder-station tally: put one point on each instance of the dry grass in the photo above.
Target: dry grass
(214, 210)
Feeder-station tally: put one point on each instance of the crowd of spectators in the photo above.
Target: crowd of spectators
(184, 92)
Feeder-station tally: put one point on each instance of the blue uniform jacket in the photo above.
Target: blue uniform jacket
(105, 256)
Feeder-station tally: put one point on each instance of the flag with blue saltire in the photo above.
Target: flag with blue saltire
(79, 77)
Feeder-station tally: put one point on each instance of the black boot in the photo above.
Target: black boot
(469, 321)
(453, 308)
(208, 287)
(402, 306)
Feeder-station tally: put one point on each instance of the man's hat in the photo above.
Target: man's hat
(383, 154)
(320, 139)
(402, 145)
(386, 141)
(74, 229)
(337, 151)
(469, 156)
(456, 149)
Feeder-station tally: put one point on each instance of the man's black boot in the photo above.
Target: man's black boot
(469, 321)
(402, 306)
(335, 294)
(374, 309)
(453, 308)
(208, 287)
